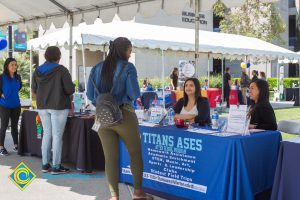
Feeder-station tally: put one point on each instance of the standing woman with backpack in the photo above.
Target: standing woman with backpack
(118, 76)
(10, 107)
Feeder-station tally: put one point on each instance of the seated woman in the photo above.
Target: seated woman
(261, 112)
(193, 107)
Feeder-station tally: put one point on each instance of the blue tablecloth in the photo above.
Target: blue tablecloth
(197, 166)
(287, 178)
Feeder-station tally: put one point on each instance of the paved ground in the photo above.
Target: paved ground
(73, 186)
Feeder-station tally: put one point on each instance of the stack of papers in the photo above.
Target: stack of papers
(202, 131)
(148, 124)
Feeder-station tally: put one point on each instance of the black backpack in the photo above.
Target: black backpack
(108, 112)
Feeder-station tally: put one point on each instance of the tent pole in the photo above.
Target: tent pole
(71, 45)
(208, 69)
(278, 77)
(163, 77)
(84, 70)
(197, 24)
(266, 67)
(222, 79)
(30, 73)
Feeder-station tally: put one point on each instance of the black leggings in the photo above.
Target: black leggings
(5, 114)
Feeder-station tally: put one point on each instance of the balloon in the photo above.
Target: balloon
(248, 65)
(3, 43)
(243, 65)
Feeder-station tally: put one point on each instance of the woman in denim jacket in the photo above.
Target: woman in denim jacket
(126, 90)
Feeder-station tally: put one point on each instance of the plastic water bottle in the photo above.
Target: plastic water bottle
(215, 120)
(171, 115)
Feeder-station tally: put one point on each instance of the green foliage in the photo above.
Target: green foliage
(219, 9)
(215, 81)
(156, 82)
(287, 82)
(253, 19)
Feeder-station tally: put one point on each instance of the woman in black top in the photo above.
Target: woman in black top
(174, 78)
(193, 107)
(261, 112)
(254, 75)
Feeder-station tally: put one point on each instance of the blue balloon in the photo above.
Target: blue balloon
(3, 43)
(248, 65)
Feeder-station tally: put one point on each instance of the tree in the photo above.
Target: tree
(253, 19)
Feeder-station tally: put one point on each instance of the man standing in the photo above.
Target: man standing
(226, 85)
(245, 81)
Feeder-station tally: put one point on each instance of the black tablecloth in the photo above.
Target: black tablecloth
(287, 177)
(289, 94)
(81, 145)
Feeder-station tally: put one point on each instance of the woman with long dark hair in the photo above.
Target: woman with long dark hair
(261, 112)
(126, 90)
(10, 107)
(193, 107)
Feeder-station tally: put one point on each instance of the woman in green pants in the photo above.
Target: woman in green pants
(126, 90)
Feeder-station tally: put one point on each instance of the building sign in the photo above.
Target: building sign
(189, 17)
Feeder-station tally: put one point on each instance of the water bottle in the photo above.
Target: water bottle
(171, 115)
(215, 120)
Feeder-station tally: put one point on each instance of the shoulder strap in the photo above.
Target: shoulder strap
(95, 86)
(119, 74)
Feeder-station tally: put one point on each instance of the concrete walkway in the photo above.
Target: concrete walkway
(73, 186)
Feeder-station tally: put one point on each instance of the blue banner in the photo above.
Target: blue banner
(20, 39)
(197, 166)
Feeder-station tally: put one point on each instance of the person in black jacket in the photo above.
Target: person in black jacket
(193, 107)
(53, 87)
(10, 107)
(261, 112)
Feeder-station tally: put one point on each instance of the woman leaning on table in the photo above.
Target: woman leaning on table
(261, 112)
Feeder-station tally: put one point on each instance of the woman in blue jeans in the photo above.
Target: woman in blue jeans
(53, 87)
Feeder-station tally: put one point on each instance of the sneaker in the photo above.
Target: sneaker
(46, 168)
(3, 152)
(15, 149)
(60, 170)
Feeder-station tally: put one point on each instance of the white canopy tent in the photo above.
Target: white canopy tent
(147, 36)
(31, 13)
(164, 38)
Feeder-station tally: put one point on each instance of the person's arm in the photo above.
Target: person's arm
(229, 80)
(177, 110)
(33, 85)
(90, 86)
(68, 85)
(132, 85)
(266, 119)
(203, 112)
(1, 91)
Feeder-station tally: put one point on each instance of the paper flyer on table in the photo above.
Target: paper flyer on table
(237, 119)
(202, 131)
